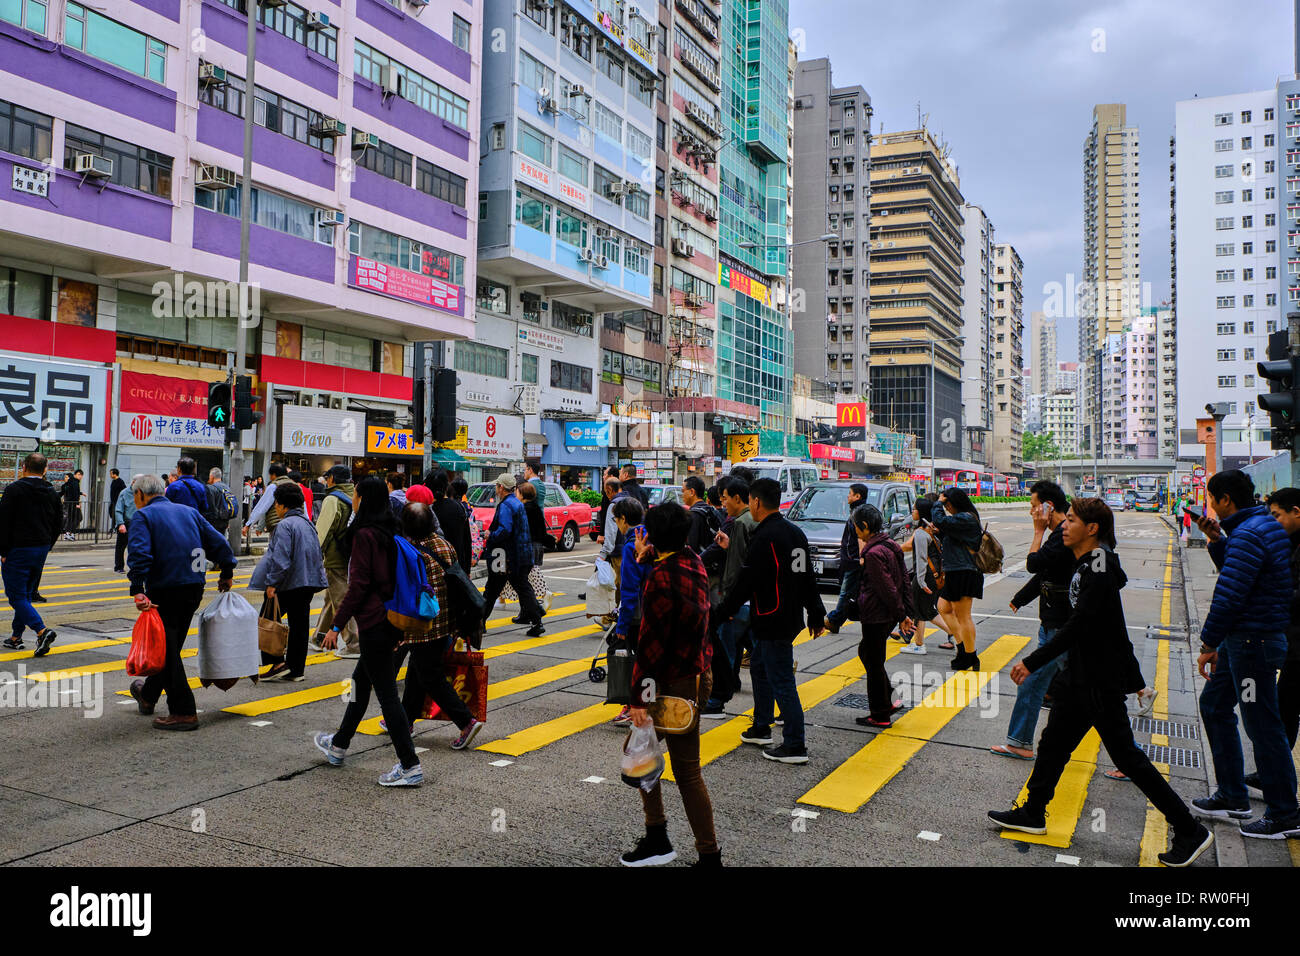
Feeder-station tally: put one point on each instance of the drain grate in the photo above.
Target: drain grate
(856, 701)
(105, 626)
(1173, 756)
(1170, 728)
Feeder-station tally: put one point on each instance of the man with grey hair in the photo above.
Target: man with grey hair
(123, 512)
(170, 546)
(222, 505)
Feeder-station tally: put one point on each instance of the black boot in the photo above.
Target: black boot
(709, 861)
(652, 849)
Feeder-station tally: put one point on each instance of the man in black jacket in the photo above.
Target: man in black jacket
(778, 582)
(115, 488)
(850, 569)
(704, 520)
(30, 520)
(72, 494)
(1284, 504)
(632, 487)
(455, 525)
(1051, 565)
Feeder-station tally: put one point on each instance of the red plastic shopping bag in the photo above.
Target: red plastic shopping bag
(148, 645)
(468, 676)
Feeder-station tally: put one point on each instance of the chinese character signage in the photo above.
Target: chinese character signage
(53, 401)
(164, 410)
(542, 340)
(735, 279)
(589, 434)
(381, 440)
(142, 428)
(492, 434)
(397, 283)
(34, 182)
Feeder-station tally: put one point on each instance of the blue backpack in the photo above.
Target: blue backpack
(413, 606)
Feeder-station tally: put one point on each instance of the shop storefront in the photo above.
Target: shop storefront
(162, 418)
(576, 451)
(390, 449)
(312, 440)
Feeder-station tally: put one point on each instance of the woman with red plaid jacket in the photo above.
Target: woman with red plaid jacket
(673, 657)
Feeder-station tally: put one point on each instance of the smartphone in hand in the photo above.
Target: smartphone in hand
(1195, 511)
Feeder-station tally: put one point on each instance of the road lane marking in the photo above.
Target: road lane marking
(1066, 808)
(65, 648)
(1155, 829)
(539, 735)
(861, 776)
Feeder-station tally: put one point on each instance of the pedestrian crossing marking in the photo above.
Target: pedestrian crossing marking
(1155, 829)
(1066, 808)
(536, 737)
(861, 777)
(103, 600)
(65, 648)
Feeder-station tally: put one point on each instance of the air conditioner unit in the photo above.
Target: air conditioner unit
(391, 81)
(587, 255)
(546, 104)
(577, 89)
(602, 232)
(212, 75)
(585, 30)
(214, 177)
(418, 3)
(330, 217)
(884, 212)
(692, 301)
(680, 248)
(615, 189)
(317, 20)
(602, 262)
(649, 85)
(328, 126)
(631, 187)
(97, 167)
(364, 140)
(336, 401)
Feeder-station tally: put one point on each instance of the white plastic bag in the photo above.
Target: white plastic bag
(600, 594)
(643, 758)
(228, 639)
(604, 573)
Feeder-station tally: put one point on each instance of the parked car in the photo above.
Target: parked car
(566, 520)
(821, 509)
(658, 494)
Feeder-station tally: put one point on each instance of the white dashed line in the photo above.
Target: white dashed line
(259, 723)
(593, 779)
(928, 835)
(1068, 860)
(500, 763)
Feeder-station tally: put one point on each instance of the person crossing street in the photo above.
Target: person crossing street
(30, 521)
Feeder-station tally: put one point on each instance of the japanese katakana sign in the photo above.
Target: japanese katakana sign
(381, 440)
(53, 401)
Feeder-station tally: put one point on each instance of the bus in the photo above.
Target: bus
(986, 483)
(1147, 489)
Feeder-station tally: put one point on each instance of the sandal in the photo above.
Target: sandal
(1004, 750)
(1116, 775)
(947, 646)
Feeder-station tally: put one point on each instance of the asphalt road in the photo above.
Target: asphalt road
(89, 782)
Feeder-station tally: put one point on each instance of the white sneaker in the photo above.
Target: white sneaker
(398, 777)
(912, 649)
(1146, 700)
(346, 655)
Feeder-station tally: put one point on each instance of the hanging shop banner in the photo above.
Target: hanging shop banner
(735, 279)
(381, 440)
(492, 434)
(586, 434)
(53, 401)
(322, 431)
(165, 410)
(741, 447)
(398, 283)
(832, 453)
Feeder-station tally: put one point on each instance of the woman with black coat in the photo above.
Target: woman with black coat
(958, 524)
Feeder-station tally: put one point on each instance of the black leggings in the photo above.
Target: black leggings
(426, 677)
(296, 605)
(871, 651)
(1288, 697)
(375, 668)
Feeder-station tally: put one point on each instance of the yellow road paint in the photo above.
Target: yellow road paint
(1155, 829)
(862, 776)
(102, 600)
(65, 649)
(195, 683)
(1066, 808)
(538, 736)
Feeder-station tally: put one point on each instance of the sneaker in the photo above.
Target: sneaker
(283, 677)
(383, 725)
(786, 754)
(467, 735)
(1146, 699)
(1266, 829)
(314, 646)
(872, 721)
(344, 654)
(744, 659)
(137, 691)
(913, 649)
(649, 851)
(537, 630)
(276, 670)
(325, 744)
(1020, 818)
(1186, 847)
(40, 599)
(1254, 785)
(756, 735)
(399, 776)
(1214, 808)
(624, 718)
(713, 711)
(13, 644)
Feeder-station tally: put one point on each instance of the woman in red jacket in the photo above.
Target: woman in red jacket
(371, 582)
(885, 600)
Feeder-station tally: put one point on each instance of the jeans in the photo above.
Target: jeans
(70, 522)
(850, 583)
(529, 609)
(295, 604)
(1076, 711)
(427, 677)
(21, 574)
(684, 751)
(375, 669)
(1030, 694)
(176, 607)
(871, 651)
(725, 683)
(771, 668)
(1246, 673)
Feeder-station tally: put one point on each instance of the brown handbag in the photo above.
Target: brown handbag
(272, 636)
(675, 715)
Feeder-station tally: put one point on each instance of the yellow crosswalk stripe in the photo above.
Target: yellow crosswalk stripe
(1155, 830)
(1066, 808)
(65, 648)
(538, 736)
(862, 776)
(126, 596)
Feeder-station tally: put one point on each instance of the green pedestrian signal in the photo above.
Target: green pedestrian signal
(218, 404)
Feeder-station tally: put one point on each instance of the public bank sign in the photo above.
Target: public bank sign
(586, 434)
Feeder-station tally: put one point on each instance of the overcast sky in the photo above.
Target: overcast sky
(1011, 84)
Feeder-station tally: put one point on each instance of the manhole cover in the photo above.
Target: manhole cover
(1173, 756)
(106, 626)
(1170, 728)
(856, 701)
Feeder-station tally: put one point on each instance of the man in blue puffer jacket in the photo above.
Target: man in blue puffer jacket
(1243, 643)
(510, 556)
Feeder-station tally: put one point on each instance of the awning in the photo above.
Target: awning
(535, 438)
(448, 458)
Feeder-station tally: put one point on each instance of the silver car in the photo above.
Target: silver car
(822, 508)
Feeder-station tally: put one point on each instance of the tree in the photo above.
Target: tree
(1041, 446)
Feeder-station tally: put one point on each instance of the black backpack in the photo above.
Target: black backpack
(465, 602)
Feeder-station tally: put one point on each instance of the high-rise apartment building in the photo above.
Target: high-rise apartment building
(1042, 353)
(977, 332)
(1167, 383)
(1060, 417)
(831, 199)
(916, 290)
(1111, 273)
(1230, 291)
(121, 157)
(1008, 355)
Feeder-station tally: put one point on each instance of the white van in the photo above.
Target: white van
(793, 474)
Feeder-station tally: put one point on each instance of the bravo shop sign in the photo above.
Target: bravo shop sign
(162, 410)
(322, 431)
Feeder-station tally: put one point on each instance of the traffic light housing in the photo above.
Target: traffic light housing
(1282, 371)
(444, 405)
(219, 405)
(244, 416)
(417, 411)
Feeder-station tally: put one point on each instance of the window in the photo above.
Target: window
(1247, 275)
(1222, 145)
(533, 212)
(1248, 355)
(1226, 355)
(133, 166)
(578, 104)
(1270, 272)
(568, 318)
(1226, 328)
(480, 359)
(602, 179)
(542, 15)
(609, 62)
(1245, 116)
(638, 204)
(1270, 165)
(638, 143)
(416, 88)
(1227, 381)
(25, 131)
(1270, 299)
(25, 13)
(438, 182)
(1226, 302)
(1224, 275)
(1225, 249)
(1248, 328)
(1222, 119)
(1268, 113)
(1225, 222)
(1246, 142)
(1270, 245)
(609, 123)
(690, 285)
(492, 297)
(528, 368)
(1247, 195)
(1224, 196)
(460, 34)
(1247, 222)
(395, 250)
(534, 74)
(578, 40)
(636, 257)
(290, 20)
(1270, 219)
(293, 217)
(642, 86)
(114, 42)
(1223, 172)
(1268, 139)
(571, 378)
(573, 165)
(388, 161)
(1247, 248)
(1247, 301)
(571, 229)
(533, 144)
